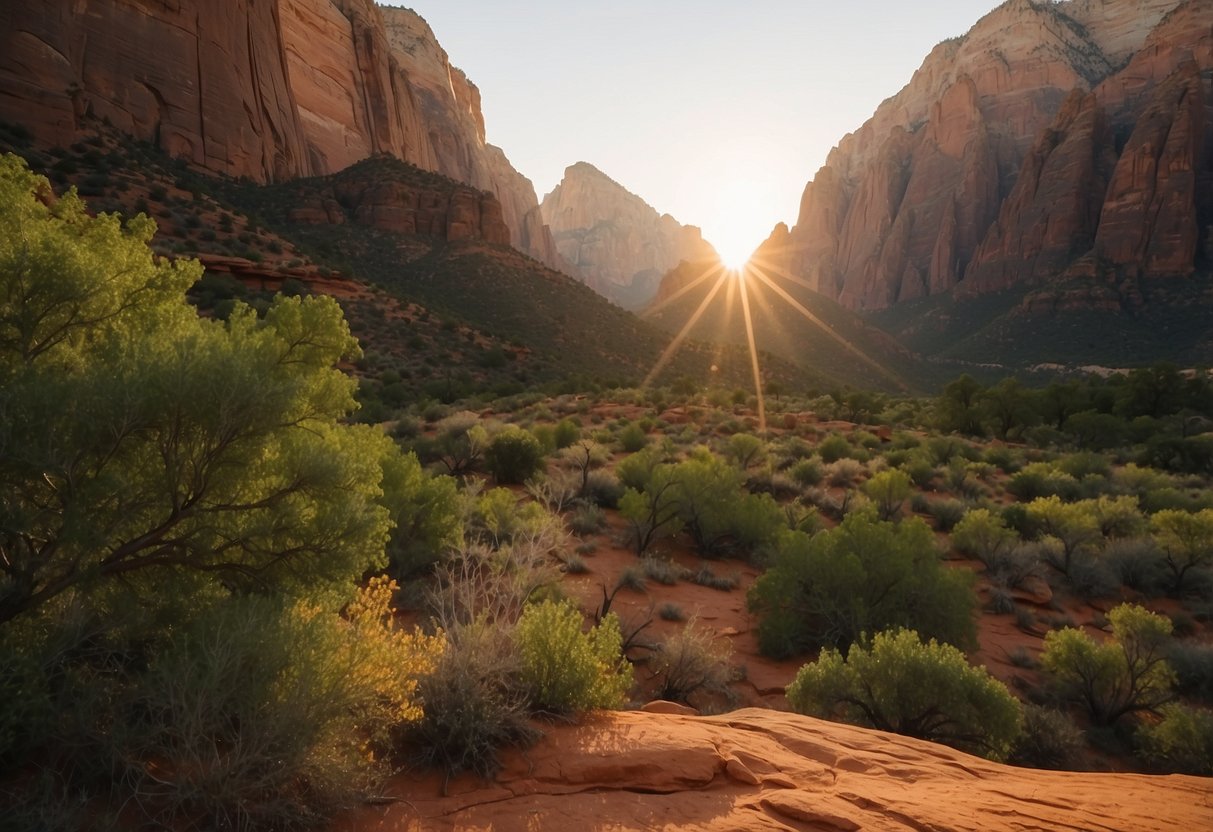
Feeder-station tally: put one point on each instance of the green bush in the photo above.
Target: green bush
(984, 535)
(833, 448)
(566, 433)
(633, 438)
(901, 684)
(862, 577)
(566, 670)
(426, 511)
(514, 456)
(261, 716)
(888, 491)
(807, 471)
(1049, 739)
(1181, 741)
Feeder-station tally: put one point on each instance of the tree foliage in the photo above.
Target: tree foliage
(862, 577)
(1125, 674)
(1187, 540)
(137, 436)
(901, 684)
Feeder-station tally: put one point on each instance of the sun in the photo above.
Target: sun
(735, 253)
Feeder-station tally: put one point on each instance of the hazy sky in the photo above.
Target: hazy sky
(715, 112)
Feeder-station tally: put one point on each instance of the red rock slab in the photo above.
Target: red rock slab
(763, 770)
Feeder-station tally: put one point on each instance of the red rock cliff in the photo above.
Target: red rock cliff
(1048, 132)
(269, 90)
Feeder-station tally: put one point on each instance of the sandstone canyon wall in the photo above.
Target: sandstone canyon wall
(1050, 136)
(616, 242)
(269, 90)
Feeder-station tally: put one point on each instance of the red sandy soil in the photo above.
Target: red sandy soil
(758, 769)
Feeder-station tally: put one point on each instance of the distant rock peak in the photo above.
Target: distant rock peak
(617, 243)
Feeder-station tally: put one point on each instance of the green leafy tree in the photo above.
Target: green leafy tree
(139, 437)
(862, 577)
(1073, 525)
(959, 408)
(1009, 405)
(925, 690)
(655, 511)
(708, 489)
(1125, 674)
(1186, 538)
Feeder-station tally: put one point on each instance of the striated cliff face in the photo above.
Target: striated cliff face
(268, 90)
(211, 87)
(1049, 132)
(454, 130)
(616, 242)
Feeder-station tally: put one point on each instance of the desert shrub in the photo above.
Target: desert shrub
(1049, 740)
(587, 519)
(888, 491)
(1073, 526)
(566, 433)
(583, 456)
(706, 577)
(459, 442)
(920, 470)
(947, 513)
(1040, 479)
(662, 570)
(426, 512)
(1186, 540)
(635, 469)
(1181, 741)
(745, 450)
(901, 684)
(833, 448)
(603, 489)
(1193, 666)
(1117, 517)
(1126, 674)
(566, 670)
(669, 611)
(1085, 464)
(633, 438)
(807, 471)
(983, 535)
(691, 661)
(473, 704)
(262, 716)
(514, 456)
(1136, 563)
(497, 517)
(844, 473)
(861, 577)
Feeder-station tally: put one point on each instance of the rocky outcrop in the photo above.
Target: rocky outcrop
(385, 194)
(615, 242)
(1001, 162)
(764, 770)
(454, 128)
(268, 90)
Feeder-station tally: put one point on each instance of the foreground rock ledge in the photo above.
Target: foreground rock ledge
(765, 770)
